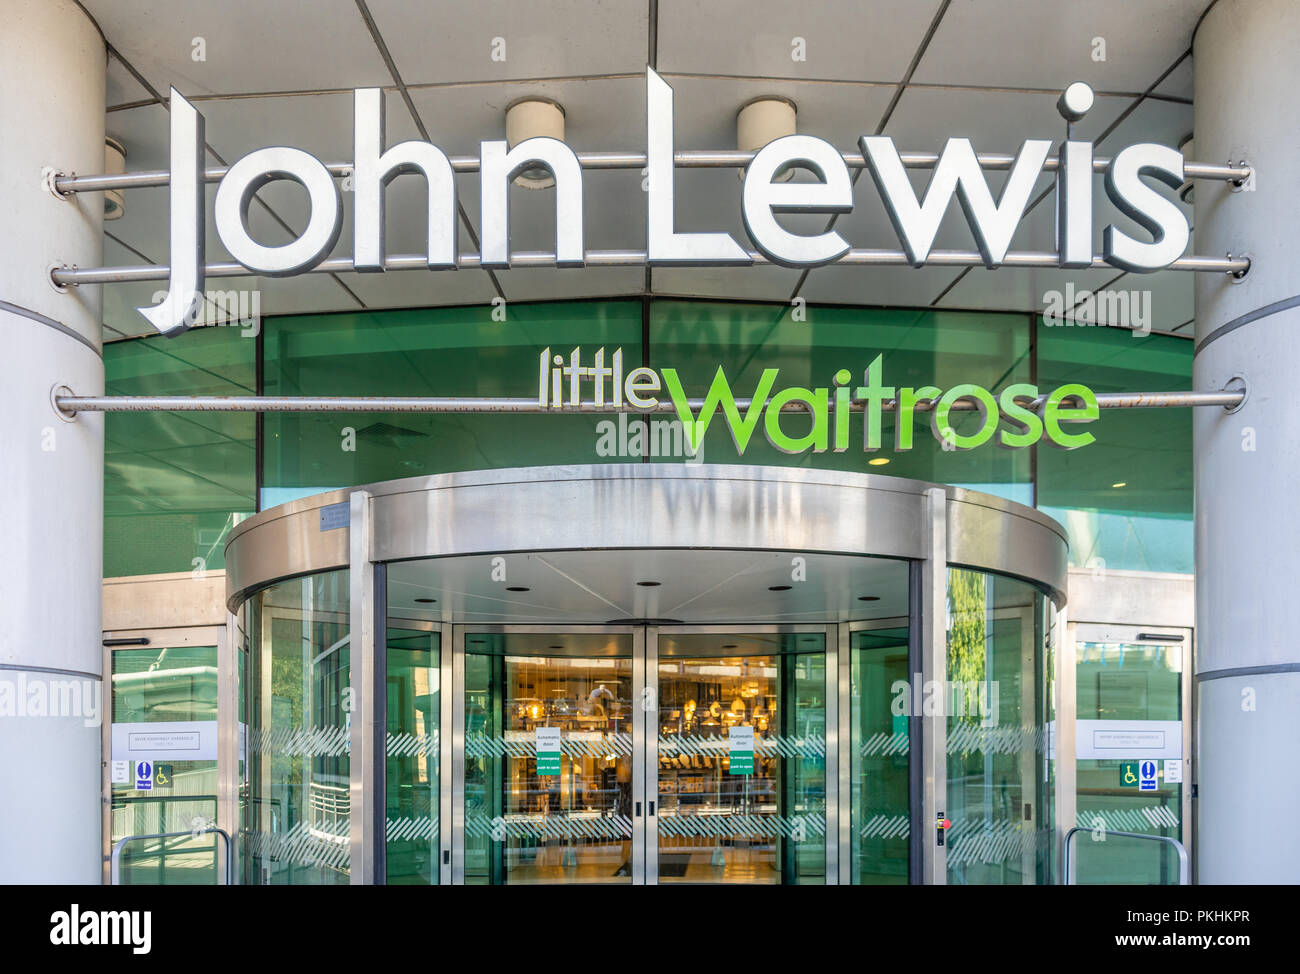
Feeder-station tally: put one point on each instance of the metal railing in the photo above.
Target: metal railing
(71, 404)
(1184, 861)
(115, 864)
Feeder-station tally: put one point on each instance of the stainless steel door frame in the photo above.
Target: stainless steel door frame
(1094, 632)
(456, 737)
(227, 720)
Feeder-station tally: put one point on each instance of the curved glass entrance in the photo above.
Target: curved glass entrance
(642, 674)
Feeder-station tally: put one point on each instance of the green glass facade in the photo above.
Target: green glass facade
(176, 482)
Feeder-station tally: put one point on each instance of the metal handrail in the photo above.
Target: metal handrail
(115, 862)
(1184, 861)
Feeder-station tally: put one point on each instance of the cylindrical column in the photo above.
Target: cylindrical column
(52, 68)
(1248, 461)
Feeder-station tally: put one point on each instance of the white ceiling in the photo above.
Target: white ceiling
(988, 70)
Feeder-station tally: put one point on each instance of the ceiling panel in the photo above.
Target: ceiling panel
(857, 40)
(493, 40)
(696, 586)
(1011, 43)
(248, 45)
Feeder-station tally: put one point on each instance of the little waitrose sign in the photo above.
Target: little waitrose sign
(957, 173)
(1008, 416)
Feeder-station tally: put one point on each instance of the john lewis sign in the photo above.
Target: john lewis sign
(957, 173)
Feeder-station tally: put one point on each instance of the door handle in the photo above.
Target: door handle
(652, 809)
(637, 813)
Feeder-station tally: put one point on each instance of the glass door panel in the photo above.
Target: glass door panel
(741, 757)
(1130, 690)
(548, 757)
(880, 747)
(163, 740)
(413, 756)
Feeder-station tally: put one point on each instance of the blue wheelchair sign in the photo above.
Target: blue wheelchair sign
(1147, 776)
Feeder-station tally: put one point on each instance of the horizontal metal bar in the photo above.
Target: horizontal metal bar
(687, 159)
(413, 404)
(64, 276)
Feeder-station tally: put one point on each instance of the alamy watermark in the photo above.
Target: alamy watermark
(1083, 308)
(39, 696)
(234, 308)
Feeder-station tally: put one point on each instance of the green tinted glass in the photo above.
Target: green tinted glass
(175, 483)
(996, 700)
(412, 757)
(919, 347)
(459, 352)
(297, 821)
(1126, 499)
(881, 751)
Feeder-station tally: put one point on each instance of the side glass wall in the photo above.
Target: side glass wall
(998, 704)
(296, 824)
(413, 755)
(881, 754)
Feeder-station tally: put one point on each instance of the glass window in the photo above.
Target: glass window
(920, 348)
(298, 815)
(1126, 500)
(164, 686)
(997, 697)
(176, 483)
(881, 751)
(433, 352)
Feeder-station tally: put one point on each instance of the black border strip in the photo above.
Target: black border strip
(49, 669)
(50, 323)
(1286, 304)
(1234, 671)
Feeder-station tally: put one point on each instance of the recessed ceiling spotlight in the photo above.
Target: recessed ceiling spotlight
(868, 598)
(1121, 483)
(778, 588)
(518, 588)
(878, 461)
(649, 584)
(534, 117)
(426, 600)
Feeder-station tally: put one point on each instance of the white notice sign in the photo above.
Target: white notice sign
(1105, 739)
(121, 772)
(1173, 772)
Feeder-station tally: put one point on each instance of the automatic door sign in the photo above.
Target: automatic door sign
(1128, 774)
(548, 751)
(740, 741)
(1147, 779)
(144, 776)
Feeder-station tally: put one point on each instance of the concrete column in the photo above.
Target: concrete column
(1248, 461)
(52, 68)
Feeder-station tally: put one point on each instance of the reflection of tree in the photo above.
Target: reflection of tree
(967, 637)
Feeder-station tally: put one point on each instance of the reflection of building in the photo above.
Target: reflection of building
(337, 568)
